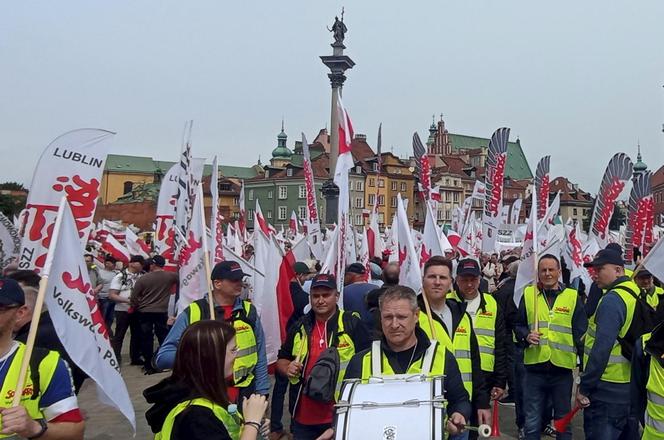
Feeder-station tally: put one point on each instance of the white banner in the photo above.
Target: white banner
(193, 276)
(10, 241)
(70, 166)
(77, 318)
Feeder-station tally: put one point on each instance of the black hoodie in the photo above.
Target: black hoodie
(194, 423)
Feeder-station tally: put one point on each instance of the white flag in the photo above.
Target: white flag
(409, 273)
(76, 317)
(70, 166)
(193, 277)
(10, 242)
(527, 273)
(516, 211)
(654, 261)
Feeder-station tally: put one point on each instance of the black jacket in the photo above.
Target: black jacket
(352, 326)
(455, 393)
(481, 389)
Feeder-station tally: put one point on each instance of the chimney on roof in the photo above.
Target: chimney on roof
(361, 137)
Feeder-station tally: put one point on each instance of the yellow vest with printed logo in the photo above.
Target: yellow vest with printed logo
(654, 416)
(555, 325)
(344, 345)
(47, 368)
(459, 345)
(245, 338)
(654, 299)
(484, 325)
(618, 369)
(232, 423)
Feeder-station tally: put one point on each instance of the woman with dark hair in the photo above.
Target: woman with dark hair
(193, 403)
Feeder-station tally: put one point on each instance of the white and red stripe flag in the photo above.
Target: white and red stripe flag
(191, 266)
(135, 245)
(70, 166)
(311, 221)
(113, 247)
(76, 316)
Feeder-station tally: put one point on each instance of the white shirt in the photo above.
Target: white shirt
(123, 288)
(472, 305)
(446, 315)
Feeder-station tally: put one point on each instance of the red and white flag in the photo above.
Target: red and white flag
(10, 241)
(292, 225)
(135, 245)
(409, 273)
(494, 182)
(76, 316)
(311, 221)
(113, 247)
(260, 222)
(516, 211)
(527, 273)
(217, 253)
(374, 239)
(654, 261)
(479, 190)
(542, 184)
(164, 232)
(242, 220)
(70, 166)
(432, 243)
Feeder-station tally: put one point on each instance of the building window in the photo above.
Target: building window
(302, 211)
(403, 186)
(372, 182)
(358, 220)
(439, 215)
(372, 199)
(393, 202)
(236, 201)
(301, 192)
(574, 212)
(224, 187)
(394, 186)
(127, 187)
(359, 202)
(270, 194)
(381, 217)
(289, 172)
(251, 194)
(358, 169)
(381, 200)
(447, 181)
(455, 197)
(250, 215)
(455, 182)
(269, 214)
(359, 185)
(381, 183)
(282, 213)
(447, 214)
(283, 192)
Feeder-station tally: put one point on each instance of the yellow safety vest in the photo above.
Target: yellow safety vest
(344, 346)
(654, 299)
(459, 345)
(654, 416)
(245, 338)
(618, 369)
(555, 325)
(47, 369)
(437, 367)
(232, 423)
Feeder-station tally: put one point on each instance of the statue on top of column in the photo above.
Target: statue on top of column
(339, 29)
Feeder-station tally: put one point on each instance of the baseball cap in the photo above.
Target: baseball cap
(159, 261)
(643, 273)
(228, 270)
(137, 259)
(324, 280)
(301, 268)
(606, 256)
(11, 293)
(615, 247)
(468, 267)
(357, 268)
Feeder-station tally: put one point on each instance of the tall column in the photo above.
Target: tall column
(338, 63)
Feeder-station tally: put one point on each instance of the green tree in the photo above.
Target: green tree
(13, 186)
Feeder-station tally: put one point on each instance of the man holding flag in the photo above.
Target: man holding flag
(250, 367)
(48, 408)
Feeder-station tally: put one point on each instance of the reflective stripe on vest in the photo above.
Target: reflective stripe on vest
(460, 345)
(484, 324)
(654, 416)
(437, 367)
(555, 325)
(47, 369)
(345, 346)
(618, 369)
(232, 423)
(247, 355)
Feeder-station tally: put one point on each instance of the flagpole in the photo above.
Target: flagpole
(206, 252)
(36, 312)
(427, 308)
(533, 216)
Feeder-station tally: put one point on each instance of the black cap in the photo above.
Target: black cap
(468, 267)
(357, 268)
(137, 259)
(11, 293)
(228, 270)
(615, 247)
(158, 260)
(642, 273)
(324, 280)
(606, 256)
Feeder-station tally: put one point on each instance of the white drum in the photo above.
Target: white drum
(391, 408)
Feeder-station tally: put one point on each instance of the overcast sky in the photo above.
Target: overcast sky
(577, 80)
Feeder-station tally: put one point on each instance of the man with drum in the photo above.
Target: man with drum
(325, 326)
(452, 326)
(403, 348)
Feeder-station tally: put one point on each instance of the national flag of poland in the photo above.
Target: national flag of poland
(260, 221)
(284, 299)
(76, 316)
(453, 237)
(113, 247)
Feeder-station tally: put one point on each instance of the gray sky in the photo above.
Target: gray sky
(577, 80)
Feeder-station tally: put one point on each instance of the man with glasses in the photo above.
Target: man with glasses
(250, 367)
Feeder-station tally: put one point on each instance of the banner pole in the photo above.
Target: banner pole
(39, 305)
(427, 308)
(206, 253)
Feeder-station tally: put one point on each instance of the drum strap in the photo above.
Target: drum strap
(377, 364)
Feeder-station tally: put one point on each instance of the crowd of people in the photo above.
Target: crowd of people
(561, 345)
